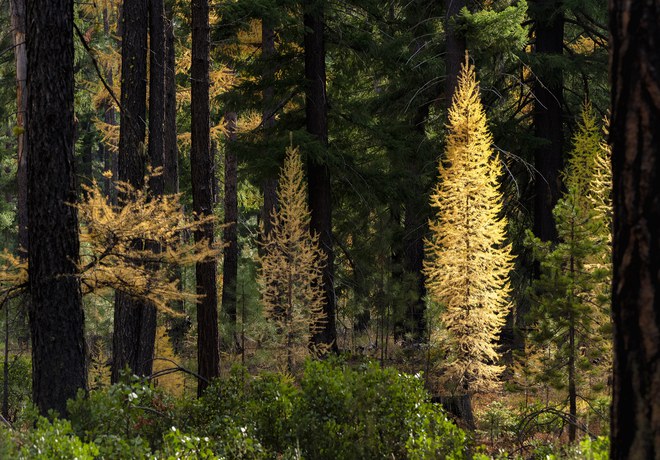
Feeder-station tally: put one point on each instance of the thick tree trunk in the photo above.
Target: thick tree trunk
(230, 233)
(56, 315)
(208, 358)
(318, 173)
(548, 110)
(635, 138)
(134, 322)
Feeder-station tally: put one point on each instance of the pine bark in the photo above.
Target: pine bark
(56, 314)
(635, 139)
(230, 232)
(208, 359)
(318, 172)
(548, 113)
(134, 331)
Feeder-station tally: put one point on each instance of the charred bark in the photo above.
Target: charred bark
(134, 331)
(635, 139)
(208, 358)
(230, 233)
(318, 171)
(56, 314)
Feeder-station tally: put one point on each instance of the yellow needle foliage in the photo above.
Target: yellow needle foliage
(290, 275)
(13, 273)
(133, 246)
(467, 259)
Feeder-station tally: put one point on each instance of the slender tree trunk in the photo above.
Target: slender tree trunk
(157, 92)
(415, 227)
(18, 24)
(134, 322)
(318, 173)
(635, 138)
(269, 186)
(455, 43)
(56, 315)
(230, 233)
(109, 117)
(171, 155)
(208, 358)
(548, 111)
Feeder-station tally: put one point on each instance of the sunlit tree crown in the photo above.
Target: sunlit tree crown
(290, 277)
(467, 258)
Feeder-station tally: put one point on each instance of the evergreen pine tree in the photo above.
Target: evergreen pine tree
(290, 278)
(468, 261)
(570, 312)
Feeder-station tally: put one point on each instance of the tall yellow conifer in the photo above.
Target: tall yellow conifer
(290, 277)
(467, 259)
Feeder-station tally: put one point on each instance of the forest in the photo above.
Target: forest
(330, 229)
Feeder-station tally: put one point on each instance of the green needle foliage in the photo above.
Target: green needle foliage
(467, 259)
(571, 298)
(290, 276)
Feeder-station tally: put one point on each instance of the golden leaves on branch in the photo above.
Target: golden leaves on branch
(134, 245)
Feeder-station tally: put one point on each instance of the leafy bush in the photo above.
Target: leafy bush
(20, 385)
(336, 413)
(124, 420)
(180, 446)
(587, 449)
(371, 413)
(56, 441)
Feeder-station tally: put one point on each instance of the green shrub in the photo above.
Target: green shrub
(20, 385)
(7, 444)
(180, 446)
(124, 420)
(335, 413)
(56, 441)
(371, 413)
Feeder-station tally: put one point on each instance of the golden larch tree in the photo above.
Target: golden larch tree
(467, 258)
(290, 275)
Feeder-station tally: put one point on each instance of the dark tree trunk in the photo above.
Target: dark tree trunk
(208, 359)
(548, 90)
(109, 117)
(177, 326)
(415, 226)
(635, 138)
(134, 322)
(156, 92)
(86, 167)
(18, 24)
(318, 173)
(230, 233)
(269, 186)
(56, 315)
(455, 44)
(171, 151)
